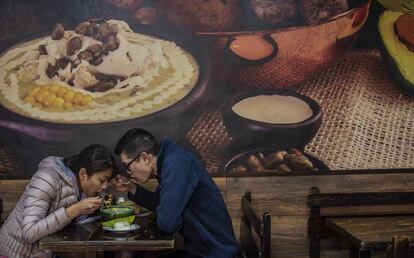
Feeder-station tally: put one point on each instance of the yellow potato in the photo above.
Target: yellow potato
(68, 96)
(41, 94)
(61, 91)
(58, 102)
(54, 88)
(77, 99)
(86, 99)
(30, 99)
(34, 90)
(67, 105)
(48, 100)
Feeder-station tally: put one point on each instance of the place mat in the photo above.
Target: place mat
(368, 121)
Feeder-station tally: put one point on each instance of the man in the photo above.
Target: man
(187, 199)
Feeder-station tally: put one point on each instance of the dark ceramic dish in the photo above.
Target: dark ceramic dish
(237, 61)
(240, 158)
(251, 133)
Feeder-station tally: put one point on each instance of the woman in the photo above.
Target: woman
(60, 191)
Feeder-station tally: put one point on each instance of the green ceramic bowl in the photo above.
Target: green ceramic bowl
(127, 203)
(116, 211)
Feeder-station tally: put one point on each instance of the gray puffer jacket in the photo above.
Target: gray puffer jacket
(40, 211)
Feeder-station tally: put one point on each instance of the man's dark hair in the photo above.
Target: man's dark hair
(135, 141)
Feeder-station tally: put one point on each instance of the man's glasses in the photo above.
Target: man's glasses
(132, 161)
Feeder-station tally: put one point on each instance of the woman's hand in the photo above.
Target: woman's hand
(85, 206)
(123, 184)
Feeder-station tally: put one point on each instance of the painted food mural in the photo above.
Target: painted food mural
(99, 72)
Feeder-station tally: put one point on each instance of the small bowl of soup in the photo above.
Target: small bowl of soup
(116, 211)
(250, 50)
(272, 117)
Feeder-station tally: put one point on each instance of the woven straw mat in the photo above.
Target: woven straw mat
(368, 121)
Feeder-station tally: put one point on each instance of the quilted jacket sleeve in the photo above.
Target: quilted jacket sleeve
(37, 222)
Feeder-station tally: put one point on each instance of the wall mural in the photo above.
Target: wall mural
(248, 85)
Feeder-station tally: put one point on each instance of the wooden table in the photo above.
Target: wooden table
(371, 233)
(92, 238)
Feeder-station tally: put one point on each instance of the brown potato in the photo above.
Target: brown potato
(126, 5)
(261, 169)
(239, 168)
(274, 11)
(295, 151)
(300, 162)
(283, 168)
(317, 12)
(253, 162)
(275, 158)
(145, 15)
(201, 15)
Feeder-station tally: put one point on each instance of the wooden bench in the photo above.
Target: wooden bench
(261, 227)
(10, 192)
(1, 212)
(325, 207)
(401, 248)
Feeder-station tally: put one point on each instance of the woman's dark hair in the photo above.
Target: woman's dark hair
(135, 141)
(93, 158)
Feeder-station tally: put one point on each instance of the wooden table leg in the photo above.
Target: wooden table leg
(364, 254)
(314, 247)
(355, 252)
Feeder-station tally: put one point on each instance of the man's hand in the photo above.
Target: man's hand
(123, 184)
(85, 206)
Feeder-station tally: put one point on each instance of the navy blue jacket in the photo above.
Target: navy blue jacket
(189, 202)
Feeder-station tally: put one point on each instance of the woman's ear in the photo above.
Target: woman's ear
(82, 174)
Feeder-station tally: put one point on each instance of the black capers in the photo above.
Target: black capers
(62, 63)
(98, 60)
(96, 50)
(85, 55)
(74, 44)
(42, 50)
(82, 28)
(110, 44)
(58, 31)
(103, 86)
(50, 71)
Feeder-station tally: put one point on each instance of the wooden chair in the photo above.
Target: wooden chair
(1, 212)
(401, 248)
(323, 205)
(261, 227)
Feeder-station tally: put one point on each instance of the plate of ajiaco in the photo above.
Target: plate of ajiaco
(99, 71)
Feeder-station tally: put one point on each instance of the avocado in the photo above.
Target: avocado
(395, 53)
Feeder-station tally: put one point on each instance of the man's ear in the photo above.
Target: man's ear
(146, 157)
(82, 174)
